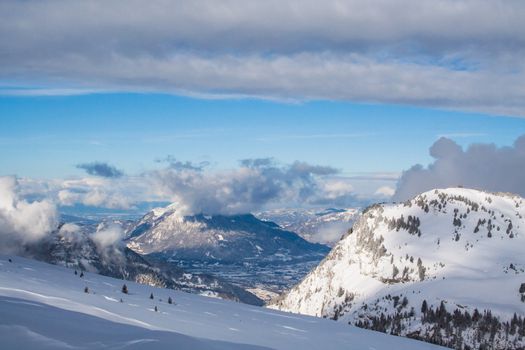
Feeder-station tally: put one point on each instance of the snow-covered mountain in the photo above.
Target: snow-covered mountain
(315, 225)
(76, 246)
(44, 306)
(447, 267)
(219, 238)
(251, 253)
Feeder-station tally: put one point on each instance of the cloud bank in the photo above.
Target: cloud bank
(460, 54)
(480, 166)
(21, 221)
(255, 184)
(199, 188)
(100, 169)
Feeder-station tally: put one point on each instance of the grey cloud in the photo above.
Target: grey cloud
(257, 162)
(239, 25)
(481, 166)
(100, 169)
(180, 165)
(453, 54)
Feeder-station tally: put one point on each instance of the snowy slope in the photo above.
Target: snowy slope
(462, 247)
(74, 246)
(315, 225)
(45, 307)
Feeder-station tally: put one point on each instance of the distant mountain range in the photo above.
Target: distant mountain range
(324, 225)
(246, 251)
(219, 238)
(447, 267)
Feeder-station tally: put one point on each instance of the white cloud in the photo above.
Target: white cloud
(98, 192)
(20, 220)
(330, 232)
(481, 166)
(196, 188)
(69, 228)
(385, 191)
(336, 187)
(461, 54)
(245, 189)
(108, 236)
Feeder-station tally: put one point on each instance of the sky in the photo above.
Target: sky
(337, 103)
(49, 136)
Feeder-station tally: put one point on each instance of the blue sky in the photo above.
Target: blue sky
(49, 136)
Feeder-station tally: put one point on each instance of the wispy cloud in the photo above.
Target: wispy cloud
(374, 176)
(315, 136)
(462, 134)
(48, 91)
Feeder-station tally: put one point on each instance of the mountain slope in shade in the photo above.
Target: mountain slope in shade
(44, 306)
(78, 250)
(447, 267)
(219, 238)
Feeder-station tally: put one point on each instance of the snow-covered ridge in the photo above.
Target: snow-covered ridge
(49, 307)
(458, 246)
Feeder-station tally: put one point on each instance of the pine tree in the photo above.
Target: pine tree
(170, 301)
(151, 296)
(424, 307)
(156, 310)
(76, 273)
(125, 289)
(82, 274)
(86, 290)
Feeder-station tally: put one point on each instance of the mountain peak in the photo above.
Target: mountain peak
(435, 247)
(226, 238)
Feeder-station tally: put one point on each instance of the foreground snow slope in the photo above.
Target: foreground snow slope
(44, 307)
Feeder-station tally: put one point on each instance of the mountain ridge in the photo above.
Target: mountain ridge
(429, 249)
